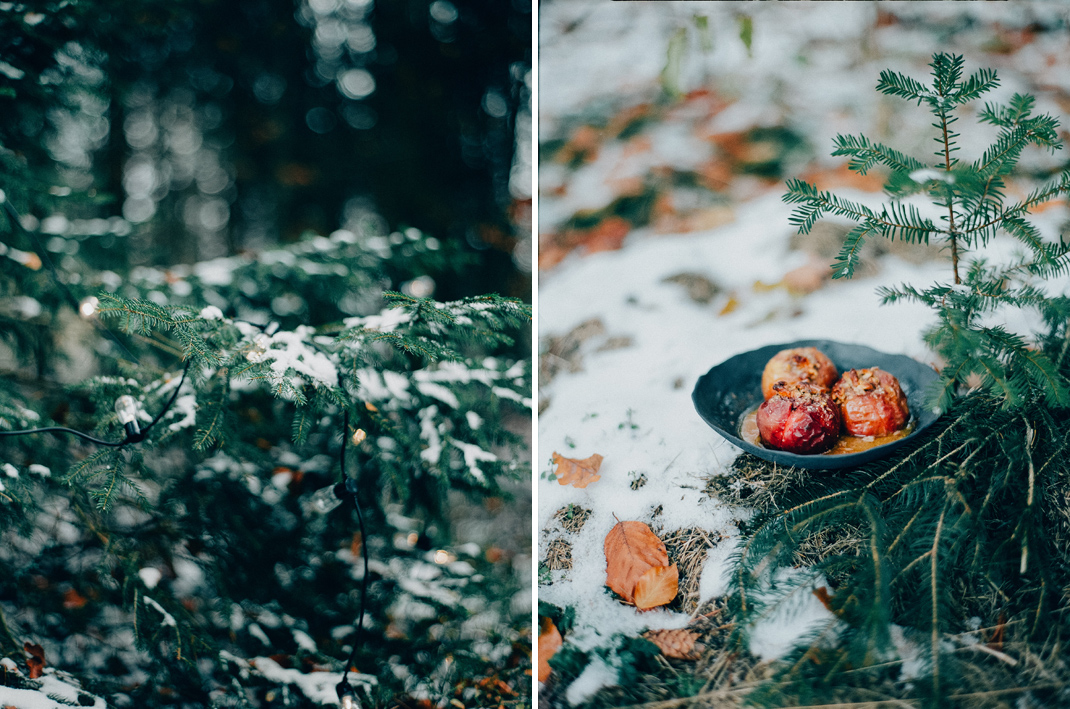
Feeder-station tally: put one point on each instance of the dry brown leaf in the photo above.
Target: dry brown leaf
(608, 235)
(578, 473)
(549, 643)
(807, 278)
(843, 176)
(73, 600)
(656, 587)
(822, 594)
(632, 550)
(36, 660)
(678, 643)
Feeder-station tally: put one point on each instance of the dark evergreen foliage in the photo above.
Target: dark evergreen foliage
(946, 568)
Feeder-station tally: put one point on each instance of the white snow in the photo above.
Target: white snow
(316, 686)
(304, 640)
(291, 350)
(186, 407)
(150, 576)
(927, 174)
(167, 619)
(257, 632)
(596, 675)
(386, 321)
(473, 454)
(437, 391)
(789, 619)
(429, 432)
(211, 313)
(66, 692)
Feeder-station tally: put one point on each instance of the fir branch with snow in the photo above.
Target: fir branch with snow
(199, 541)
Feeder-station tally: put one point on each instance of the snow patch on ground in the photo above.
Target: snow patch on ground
(633, 405)
(66, 691)
(596, 675)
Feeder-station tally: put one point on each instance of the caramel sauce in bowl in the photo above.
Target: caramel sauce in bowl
(846, 445)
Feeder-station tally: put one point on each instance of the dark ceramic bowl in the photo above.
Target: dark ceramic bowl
(726, 393)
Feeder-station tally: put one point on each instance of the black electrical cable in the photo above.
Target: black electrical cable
(16, 222)
(71, 431)
(167, 407)
(349, 486)
(130, 437)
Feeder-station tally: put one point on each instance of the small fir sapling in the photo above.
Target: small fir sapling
(973, 209)
(970, 519)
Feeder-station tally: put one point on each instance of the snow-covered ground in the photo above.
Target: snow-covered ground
(625, 393)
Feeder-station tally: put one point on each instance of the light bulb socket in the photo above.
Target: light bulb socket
(126, 410)
(347, 696)
(327, 498)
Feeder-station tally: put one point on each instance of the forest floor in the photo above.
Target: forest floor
(665, 248)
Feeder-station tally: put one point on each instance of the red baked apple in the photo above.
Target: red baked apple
(871, 402)
(799, 418)
(799, 364)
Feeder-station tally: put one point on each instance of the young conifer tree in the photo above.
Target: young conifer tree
(960, 538)
(973, 208)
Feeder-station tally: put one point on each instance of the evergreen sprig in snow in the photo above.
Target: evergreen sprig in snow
(973, 209)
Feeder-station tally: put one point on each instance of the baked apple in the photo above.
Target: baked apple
(799, 418)
(871, 402)
(799, 364)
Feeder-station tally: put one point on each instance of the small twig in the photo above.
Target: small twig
(1009, 690)
(994, 653)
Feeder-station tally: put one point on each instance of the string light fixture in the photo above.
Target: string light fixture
(325, 500)
(126, 409)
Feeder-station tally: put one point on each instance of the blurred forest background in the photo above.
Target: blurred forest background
(156, 132)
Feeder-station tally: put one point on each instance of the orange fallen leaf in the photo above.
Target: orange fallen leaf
(27, 258)
(843, 176)
(36, 660)
(656, 587)
(678, 643)
(823, 595)
(807, 278)
(73, 600)
(608, 235)
(549, 644)
(551, 254)
(632, 549)
(730, 305)
(578, 473)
